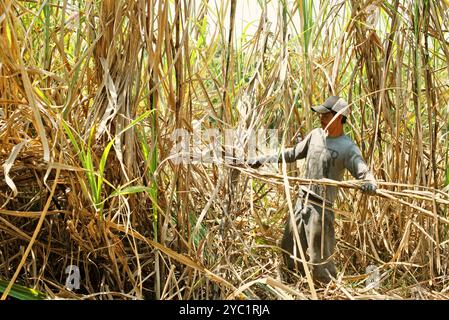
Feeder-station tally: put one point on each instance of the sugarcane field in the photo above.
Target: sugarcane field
(224, 150)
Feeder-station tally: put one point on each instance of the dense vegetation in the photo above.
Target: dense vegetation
(92, 91)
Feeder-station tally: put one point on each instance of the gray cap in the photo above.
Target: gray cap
(333, 103)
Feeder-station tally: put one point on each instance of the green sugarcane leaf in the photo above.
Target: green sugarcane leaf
(22, 293)
(130, 190)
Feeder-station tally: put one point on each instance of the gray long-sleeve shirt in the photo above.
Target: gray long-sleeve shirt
(326, 157)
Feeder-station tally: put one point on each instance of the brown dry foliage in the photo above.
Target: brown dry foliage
(196, 231)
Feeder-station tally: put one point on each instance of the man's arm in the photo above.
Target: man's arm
(359, 170)
(290, 154)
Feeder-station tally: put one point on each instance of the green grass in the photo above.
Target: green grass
(22, 293)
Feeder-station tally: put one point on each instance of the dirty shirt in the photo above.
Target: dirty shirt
(326, 157)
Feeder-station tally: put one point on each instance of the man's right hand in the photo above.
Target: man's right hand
(254, 163)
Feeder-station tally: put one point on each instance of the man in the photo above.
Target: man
(328, 152)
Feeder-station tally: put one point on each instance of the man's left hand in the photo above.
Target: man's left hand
(369, 188)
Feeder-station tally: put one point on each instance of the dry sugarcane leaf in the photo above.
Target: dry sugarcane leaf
(9, 163)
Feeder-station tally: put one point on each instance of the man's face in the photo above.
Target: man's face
(325, 118)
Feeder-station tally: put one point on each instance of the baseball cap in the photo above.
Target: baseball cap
(333, 103)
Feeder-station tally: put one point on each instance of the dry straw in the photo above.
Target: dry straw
(91, 91)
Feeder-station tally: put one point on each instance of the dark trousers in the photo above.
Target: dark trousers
(317, 247)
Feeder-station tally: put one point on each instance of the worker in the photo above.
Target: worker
(328, 151)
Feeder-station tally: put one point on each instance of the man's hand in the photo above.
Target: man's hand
(369, 188)
(254, 163)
